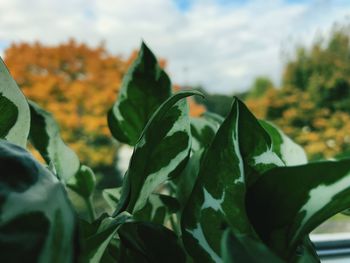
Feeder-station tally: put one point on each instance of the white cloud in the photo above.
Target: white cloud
(221, 46)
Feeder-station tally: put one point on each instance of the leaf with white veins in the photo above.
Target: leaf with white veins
(218, 195)
(255, 145)
(287, 203)
(203, 130)
(106, 228)
(144, 88)
(242, 150)
(158, 209)
(160, 153)
(290, 152)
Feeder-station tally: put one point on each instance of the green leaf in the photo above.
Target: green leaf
(112, 196)
(88, 229)
(155, 242)
(306, 252)
(255, 145)
(144, 88)
(287, 203)
(105, 229)
(239, 153)
(218, 196)
(84, 182)
(8, 117)
(160, 153)
(241, 248)
(183, 184)
(158, 209)
(112, 253)
(203, 130)
(45, 137)
(15, 116)
(290, 152)
(36, 220)
(213, 117)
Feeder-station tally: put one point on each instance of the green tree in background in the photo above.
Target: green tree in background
(259, 88)
(323, 71)
(217, 103)
(313, 104)
(221, 103)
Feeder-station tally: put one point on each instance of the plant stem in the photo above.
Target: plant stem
(90, 208)
(174, 224)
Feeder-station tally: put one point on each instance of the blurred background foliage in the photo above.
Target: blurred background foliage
(312, 104)
(79, 84)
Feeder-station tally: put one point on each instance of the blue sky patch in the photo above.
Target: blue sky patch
(183, 4)
(3, 45)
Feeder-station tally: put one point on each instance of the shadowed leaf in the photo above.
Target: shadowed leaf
(287, 203)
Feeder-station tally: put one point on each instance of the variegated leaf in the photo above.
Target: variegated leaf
(37, 222)
(218, 195)
(158, 209)
(99, 234)
(239, 153)
(203, 130)
(144, 88)
(45, 137)
(290, 152)
(15, 116)
(255, 145)
(160, 154)
(287, 203)
(182, 185)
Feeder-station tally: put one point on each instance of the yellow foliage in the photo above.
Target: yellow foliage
(78, 84)
(323, 133)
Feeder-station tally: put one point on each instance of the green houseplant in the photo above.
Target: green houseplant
(202, 189)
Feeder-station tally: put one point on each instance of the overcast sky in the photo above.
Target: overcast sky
(219, 44)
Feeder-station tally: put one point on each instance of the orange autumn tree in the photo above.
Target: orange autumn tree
(78, 85)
